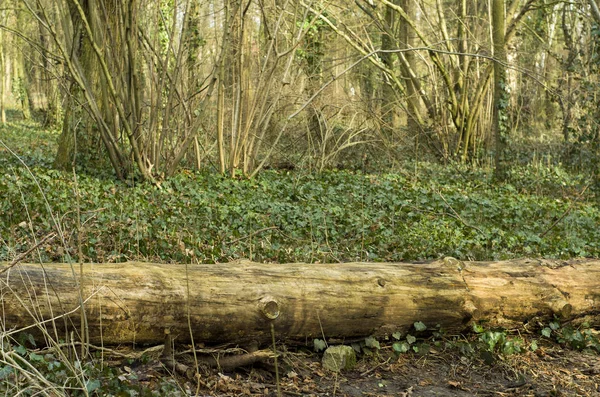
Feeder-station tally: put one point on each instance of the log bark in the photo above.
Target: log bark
(237, 302)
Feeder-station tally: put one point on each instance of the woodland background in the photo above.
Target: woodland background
(300, 131)
(146, 88)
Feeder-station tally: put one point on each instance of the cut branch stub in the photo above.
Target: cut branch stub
(269, 307)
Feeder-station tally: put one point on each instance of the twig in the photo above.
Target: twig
(241, 360)
(252, 234)
(178, 367)
(567, 211)
(456, 215)
(111, 352)
(23, 255)
(375, 367)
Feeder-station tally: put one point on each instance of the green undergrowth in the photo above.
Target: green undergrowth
(489, 344)
(32, 145)
(26, 370)
(423, 211)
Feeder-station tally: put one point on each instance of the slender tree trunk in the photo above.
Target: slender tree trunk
(568, 99)
(389, 101)
(66, 141)
(462, 86)
(595, 10)
(237, 40)
(2, 78)
(21, 86)
(596, 143)
(221, 89)
(407, 40)
(74, 137)
(315, 80)
(52, 107)
(500, 132)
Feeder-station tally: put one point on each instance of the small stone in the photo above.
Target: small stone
(338, 358)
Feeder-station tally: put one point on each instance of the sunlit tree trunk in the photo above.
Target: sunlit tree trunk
(193, 43)
(596, 144)
(389, 100)
(52, 107)
(66, 141)
(20, 85)
(237, 87)
(461, 81)
(314, 56)
(500, 132)
(407, 41)
(2, 72)
(595, 10)
(221, 89)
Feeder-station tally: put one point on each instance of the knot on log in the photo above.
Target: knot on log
(269, 307)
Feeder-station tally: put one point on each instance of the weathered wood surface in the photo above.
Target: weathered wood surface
(237, 302)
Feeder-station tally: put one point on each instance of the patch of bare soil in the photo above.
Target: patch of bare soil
(550, 371)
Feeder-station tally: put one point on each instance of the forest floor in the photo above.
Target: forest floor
(549, 371)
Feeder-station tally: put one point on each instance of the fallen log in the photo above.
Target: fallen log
(238, 302)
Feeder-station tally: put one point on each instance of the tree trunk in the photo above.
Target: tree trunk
(2, 80)
(237, 302)
(407, 40)
(595, 10)
(500, 100)
(65, 153)
(389, 102)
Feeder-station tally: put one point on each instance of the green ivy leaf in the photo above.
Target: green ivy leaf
(91, 385)
(534, 346)
(5, 371)
(36, 357)
(319, 345)
(372, 343)
(31, 339)
(419, 326)
(400, 347)
(547, 332)
(20, 350)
